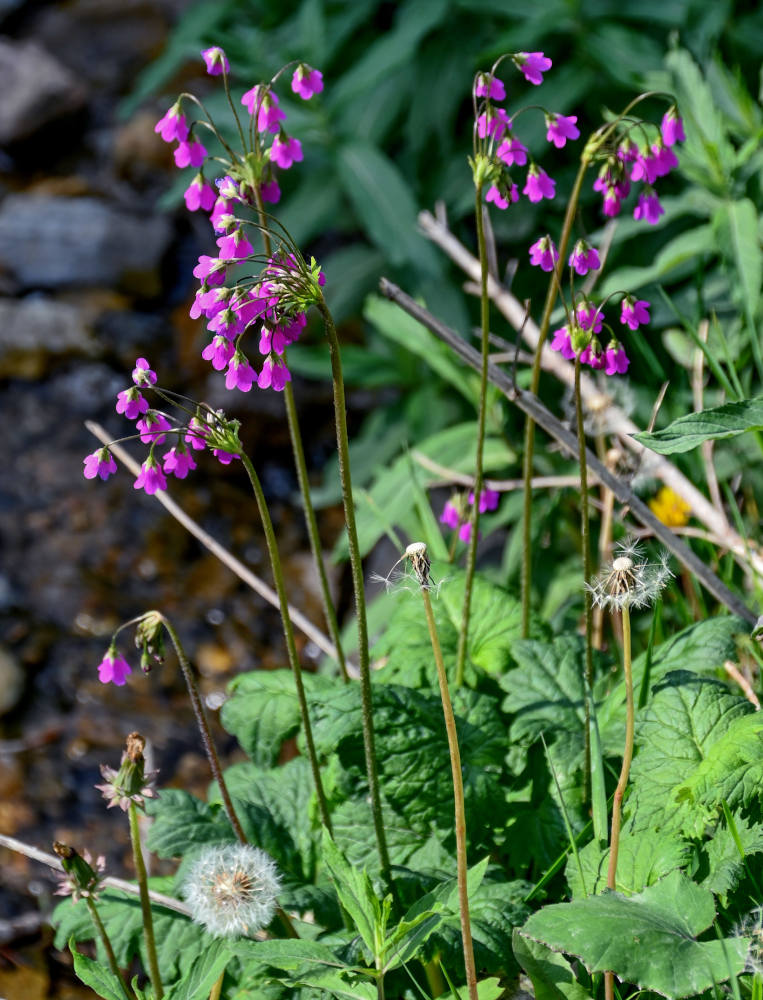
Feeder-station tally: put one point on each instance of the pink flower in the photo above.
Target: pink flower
(533, 65)
(648, 208)
(151, 478)
(492, 122)
(197, 431)
(224, 457)
(179, 461)
(560, 128)
(563, 343)
(271, 192)
(236, 246)
(665, 159)
(131, 403)
(200, 194)
(593, 355)
(465, 531)
(306, 81)
(672, 127)
(190, 154)
(210, 270)
(100, 463)
(222, 217)
(511, 195)
(113, 668)
(511, 151)
(543, 254)
(489, 86)
(286, 153)
(644, 168)
(264, 103)
(584, 258)
(615, 359)
(142, 374)
(216, 60)
(450, 516)
(226, 323)
(173, 125)
(589, 317)
(151, 427)
(274, 375)
(240, 374)
(488, 499)
(219, 352)
(634, 313)
(539, 185)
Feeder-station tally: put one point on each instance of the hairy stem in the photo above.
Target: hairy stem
(527, 460)
(471, 555)
(288, 631)
(587, 597)
(110, 956)
(145, 903)
(614, 840)
(340, 416)
(458, 795)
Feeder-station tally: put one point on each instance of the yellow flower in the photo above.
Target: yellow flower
(670, 508)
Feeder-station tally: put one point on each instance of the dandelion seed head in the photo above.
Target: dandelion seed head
(232, 890)
(629, 580)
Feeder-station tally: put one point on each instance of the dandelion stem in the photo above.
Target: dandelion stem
(458, 795)
(471, 555)
(614, 840)
(110, 956)
(288, 631)
(527, 461)
(587, 596)
(145, 903)
(340, 416)
(206, 735)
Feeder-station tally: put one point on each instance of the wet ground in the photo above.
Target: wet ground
(92, 275)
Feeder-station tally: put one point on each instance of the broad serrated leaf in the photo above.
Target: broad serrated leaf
(732, 768)
(550, 973)
(724, 864)
(642, 860)
(687, 716)
(97, 976)
(197, 983)
(263, 710)
(287, 954)
(182, 824)
(715, 424)
(356, 895)
(494, 628)
(649, 939)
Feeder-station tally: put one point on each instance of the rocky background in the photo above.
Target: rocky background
(93, 273)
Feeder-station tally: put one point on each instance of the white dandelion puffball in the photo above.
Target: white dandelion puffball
(232, 890)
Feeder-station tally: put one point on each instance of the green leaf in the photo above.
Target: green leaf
(98, 977)
(719, 422)
(183, 824)
(649, 939)
(737, 223)
(263, 710)
(356, 894)
(687, 716)
(197, 983)
(287, 954)
(680, 252)
(642, 860)
(551, 975)
(724, 864)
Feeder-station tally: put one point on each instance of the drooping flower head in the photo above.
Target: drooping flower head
(100, 463)
(172, 125)
(584, 258)
(216, 61)
(543, 254)
(560, 128)
(487, 85)
(634, 312)
(306, 81)
(672, 127)
(538, 185)
(532, 65)
(113, 668)
(232, 890)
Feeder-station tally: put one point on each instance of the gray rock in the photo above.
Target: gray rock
(36, 89)
(36, 329)
(51, 242)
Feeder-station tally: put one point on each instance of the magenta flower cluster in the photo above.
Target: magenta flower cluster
(495, 125)
(454, 513)
(644, 164)
(582, 337)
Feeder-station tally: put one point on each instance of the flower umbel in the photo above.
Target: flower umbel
(232, 890)
(629, 581)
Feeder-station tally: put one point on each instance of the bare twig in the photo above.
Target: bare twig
(501, 485)
(531, 405)
(714, 518)
(225, 557)
(736, 675)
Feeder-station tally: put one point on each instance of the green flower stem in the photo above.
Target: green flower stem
(527, 461)
(471, 555)
(458, 795)
(587, 596)
(206, 735)
(145, 903)
(614, 839)
(110, 956)
(340, 415)
(217, 989)
(312, 528)
(304, 483)
(288, 631)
